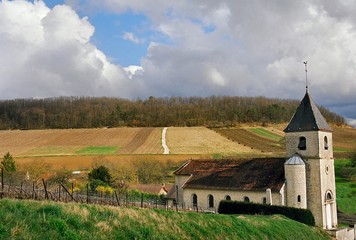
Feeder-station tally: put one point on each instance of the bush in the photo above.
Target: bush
(233, 207)
(100, 173)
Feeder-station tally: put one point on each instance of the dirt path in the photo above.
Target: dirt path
(164, 144)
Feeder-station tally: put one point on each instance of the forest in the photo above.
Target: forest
(94, 112)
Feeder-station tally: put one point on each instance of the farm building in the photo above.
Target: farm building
(156, 189)
(304, 179)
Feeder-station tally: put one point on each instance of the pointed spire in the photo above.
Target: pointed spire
(307, 118)
(306, 75)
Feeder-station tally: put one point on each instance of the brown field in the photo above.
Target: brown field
(60, 147)
(87, 162)
(201, 140)
(247, 138)
(68, 141)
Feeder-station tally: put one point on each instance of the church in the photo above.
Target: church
(304, 179)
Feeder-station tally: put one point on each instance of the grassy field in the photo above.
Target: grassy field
(345, 189)
(266, 133)
(48, 220)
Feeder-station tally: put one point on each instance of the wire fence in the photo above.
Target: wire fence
(12, 187)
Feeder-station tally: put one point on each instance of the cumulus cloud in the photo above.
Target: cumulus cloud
(200, 48)
(47, 52)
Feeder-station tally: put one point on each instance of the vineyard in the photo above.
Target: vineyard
(81, 147)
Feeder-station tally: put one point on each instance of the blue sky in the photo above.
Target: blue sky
(141, 48)
(109, 31)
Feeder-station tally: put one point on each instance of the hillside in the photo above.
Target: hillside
(48, 220)
(86, 112)
(243, 141)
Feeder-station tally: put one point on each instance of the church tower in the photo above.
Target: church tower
(309, 150)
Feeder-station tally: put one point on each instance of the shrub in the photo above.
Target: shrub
(233, 207)
(8, 163)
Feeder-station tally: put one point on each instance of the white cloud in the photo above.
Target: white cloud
(47, 52)
(131, 37)
(204, 47)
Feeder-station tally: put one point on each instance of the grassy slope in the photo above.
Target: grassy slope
(44, 220)
(345, 190)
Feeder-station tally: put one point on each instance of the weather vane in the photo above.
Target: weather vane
(306, 75)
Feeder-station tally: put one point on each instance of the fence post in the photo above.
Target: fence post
(2, 182)
(87, 193)
(59, 193)
(126, 197)
(141, 200)
(117, 199)
(45, 188)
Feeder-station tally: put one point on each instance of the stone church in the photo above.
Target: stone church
(304, 179)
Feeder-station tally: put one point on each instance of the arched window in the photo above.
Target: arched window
(211, 201)
(326, 145)
(329, 196)
(299, 198)
(246, 199)
(302, 143)
(228, 198)
(264, 200)
(195, 200)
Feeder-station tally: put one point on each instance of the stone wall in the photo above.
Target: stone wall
(219, 195)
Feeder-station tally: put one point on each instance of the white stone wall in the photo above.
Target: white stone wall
(320, 175)
(296, 186)
(180, 180)
(314, 142)
(219, 195)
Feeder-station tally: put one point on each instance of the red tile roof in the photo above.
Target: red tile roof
(255, 174)
(151, 188)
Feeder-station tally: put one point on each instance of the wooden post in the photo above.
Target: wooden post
(87, 193)
(117, 199)
(141, 200)
(2, 182)
(127, 197)
(33, 190)
(59, 193)
(65, 189)
(45, 188)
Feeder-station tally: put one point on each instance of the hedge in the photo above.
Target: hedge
(234, 207)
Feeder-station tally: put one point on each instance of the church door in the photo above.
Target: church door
(328, 216)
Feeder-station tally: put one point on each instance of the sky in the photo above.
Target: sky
(140, 48)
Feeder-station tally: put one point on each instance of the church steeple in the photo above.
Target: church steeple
(307, 118)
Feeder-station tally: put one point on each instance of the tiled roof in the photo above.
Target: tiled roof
(151, 188)
(255, 174)
(307, 118)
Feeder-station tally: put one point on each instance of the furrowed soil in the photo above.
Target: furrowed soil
(201, 140)
(248, 138)
(71, 141)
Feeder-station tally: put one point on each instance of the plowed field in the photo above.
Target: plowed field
(71, 141)
(201, 140)
(253, 140)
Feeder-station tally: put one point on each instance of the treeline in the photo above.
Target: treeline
(92, 112)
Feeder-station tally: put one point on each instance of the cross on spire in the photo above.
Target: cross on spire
(306, 75)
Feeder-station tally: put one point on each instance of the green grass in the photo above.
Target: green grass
(97, 150)
(341, 149)
(21, 219)
(264, 133)
(345, 189)
(51, 150)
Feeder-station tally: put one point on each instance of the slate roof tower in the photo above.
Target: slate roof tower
(309, 147)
